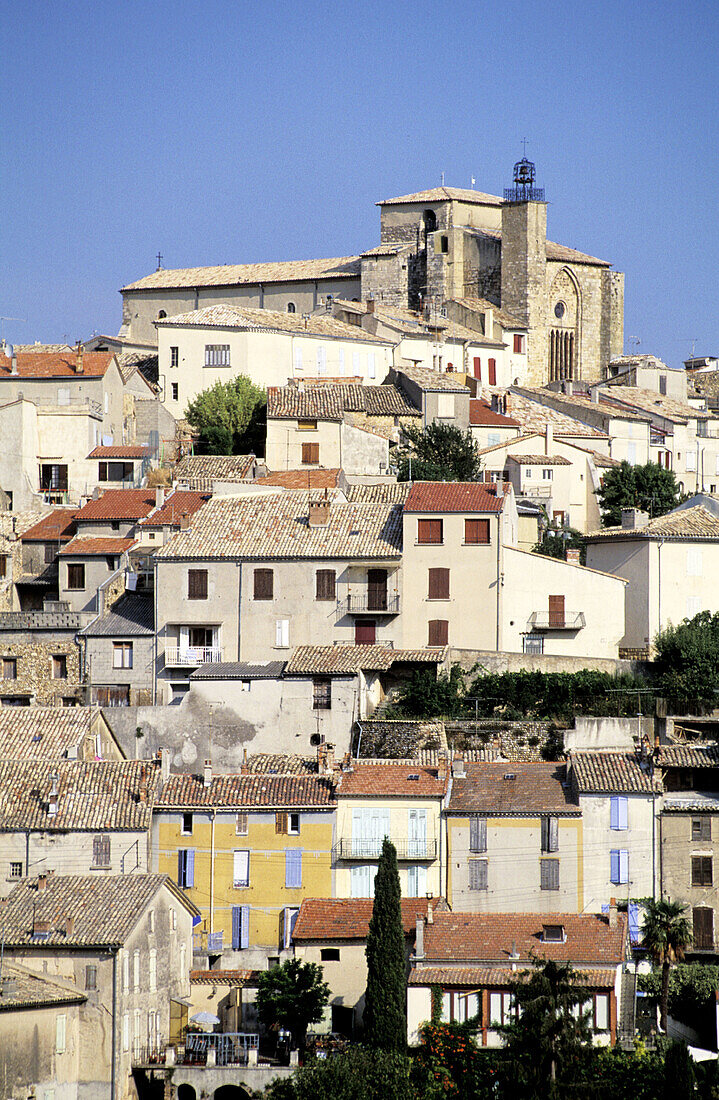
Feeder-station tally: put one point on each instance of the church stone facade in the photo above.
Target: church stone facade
(437, 246)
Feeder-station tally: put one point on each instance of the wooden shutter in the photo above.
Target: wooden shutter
(492, 371)
(476, 531)
(517, 344)
(549, 874)
(281, 823)
(326, 580)
(477, 834)
(438, 632)
(703, 919)
(264, 580)
(478, 368)
(365, 632)
(429, 531)
(197, 584)
(438, 584)
(556, 610)
(702, 871)
(550, 834)
(701, 828)
(310, 454)
(376, 589)
(478, 874)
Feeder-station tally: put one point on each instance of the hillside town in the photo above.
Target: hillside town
(325, 571)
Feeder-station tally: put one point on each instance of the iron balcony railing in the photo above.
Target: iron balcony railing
(363, 602)
(350, 848)
(207, 943)
(231, 1048)
(193, 655)
(542, 620)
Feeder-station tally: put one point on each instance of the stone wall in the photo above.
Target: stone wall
(493, 662)
(515, 741)
(35, 671)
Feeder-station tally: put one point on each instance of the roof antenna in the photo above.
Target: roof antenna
(442, 179)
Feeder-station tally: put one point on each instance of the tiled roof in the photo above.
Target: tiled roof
(540, 460)
(56, 365)
(42, 620)
(532, 788)
(119, 452)
(105, 909)
(209, 468)
(341, 267)
(654, 403)
(56, 526)
(603, 461)
(568, 402)
(378, 250)
(91, 795)
(445, 194)
(92, 546)
(560, 252)
(606, 772)
(131, 616)
(17, 523)
(485, 937)
(40, 733)
(481, 305)
(432, 381)
(452, 496)
(140, 362)
(390, 493)
(275, 525)
(240, 670)
(270, 320)
(302, 479)
(42, 349)
(480, 413)
(348, 659)
(329, 402)
(688, 756)
(22, 989)
(534, 417)
(118, 504)
(348, 918)
(498, 977)
(262, 790)
(273, 763)
(222, 977)
(390, 779)
(691, 802)
(412, 323)
(685, 523)
(181, 502)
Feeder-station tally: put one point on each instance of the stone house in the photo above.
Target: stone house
(500, 326)
(122, 466)
(40, 658)
(36, 578)
(514, 839)
(442, 398)
(48, 733)
(124, 942)
(119, 652)
(489, 425)
(200, 473)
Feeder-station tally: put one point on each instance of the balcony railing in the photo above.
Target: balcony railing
(192, 655)
(542, 620)
(231, 1048)
(362, 602)
(349, 848)
(207, 943)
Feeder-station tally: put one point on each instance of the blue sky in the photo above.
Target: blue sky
(233, 132)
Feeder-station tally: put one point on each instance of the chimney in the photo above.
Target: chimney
(185, 521)
(207, 774)
(325, 758)
(548, 439)
(419, 939)
(319, 512)
(52, 797)
(458, 769)
(370, 305)
(442, 766)
(612, 912)
(159, 496)
(164, 765)
(40, 928)
(572, 556)
(632, 519)
(594, 395)
(489, 323)
(41, 883)
(79, 365)
(13, 361)
(430, 913)
(69, 926)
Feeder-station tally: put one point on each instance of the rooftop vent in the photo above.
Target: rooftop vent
(510, 775)
(553, 933)
(413, 776)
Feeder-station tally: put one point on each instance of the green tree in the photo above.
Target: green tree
(385, 1024)
(554, 544)
(223, 414)
(439, 452)
(665, 935)
(678, 1072)
(292, 995)
(687, 663)
(428, 695)
(548, 1041)
(650, 488)
(357, 1074)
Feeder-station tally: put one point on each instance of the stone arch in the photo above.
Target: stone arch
(429, 221)
(564, 327)
(186, 1092)
(231, 1092)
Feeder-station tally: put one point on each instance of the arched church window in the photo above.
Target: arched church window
(430, 221)
(291, 307)
(559, 310)
(161, 314)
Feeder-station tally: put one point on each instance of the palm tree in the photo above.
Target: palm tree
(665, 934)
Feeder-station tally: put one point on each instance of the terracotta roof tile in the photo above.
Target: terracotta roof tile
(445, 194)
(489, 937)
(348, 659)
(390, 493)
(560, 252)
(57, 526)
(178, 503)
(685, 523)
(303, 479)
(223, 977)
(389, 779)
(261, 790)
(534, 417)
(540, 460)
(606, 772)
(42, 349)
(653, 403)
(452, 496)
(498, 977)
(432, 381)
(330, 402)
(243, 318)
(40, 733)
(532, 788)
(688, 756)
(342, 267)
(481, 305)
(480, 413)
(198, 472)
(119, 452)
(118, 504)
(348, 918)
(92, 546)
(23, 989)
(56, 365)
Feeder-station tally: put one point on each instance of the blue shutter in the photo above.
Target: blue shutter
(619, 812)
(245, 926)
(614, 866)
(237, 927)
(293, 868)
(181, 868)
(614, 813)
(190, 868)
(623, 812)
(634, 922)
(624, 865)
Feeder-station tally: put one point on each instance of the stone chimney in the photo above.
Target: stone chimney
(430, 913)
(159, 496)
(572, 556)
(184, 522)
(612, 912)
(69, 926)
(207, 774)
(458, 769)
(13, 361)
(489, 323)
(164, 757)
(79, 364)
(548, 439)
(41, 883)
(325, 758)
(52, 797)
(370, 305)
(442, 766)
(632, 519)
(419, 939)
(319, 512)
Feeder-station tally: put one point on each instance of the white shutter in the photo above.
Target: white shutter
(342, 362)
(298, 358)
(417, 834)
(356, 367)
(241, 868)
(60, 1034)
(694, 562)
(282, 633)
(495, 1009)
(321, 359)
(362, 880)
(371, 365)
(601, 1012)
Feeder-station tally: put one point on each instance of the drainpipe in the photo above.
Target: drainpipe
(114, 1023)
(659, 586)
(154, 641)
(499, 574)
(27, 853)
(239, 612)
(212, 870)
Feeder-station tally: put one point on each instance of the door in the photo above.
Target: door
(417, 834)
(556, 610)
(376, 589)
(365, 631)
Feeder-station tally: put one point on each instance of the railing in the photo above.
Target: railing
(349, 848)
(524, 194)
(207, 943)
(542, 620)
(148, 1054)
(192, 655)
(231, 1048)
(359, 603)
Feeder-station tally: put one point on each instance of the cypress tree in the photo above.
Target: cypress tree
(385, 1023)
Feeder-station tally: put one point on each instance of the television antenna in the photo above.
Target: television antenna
(2, 325)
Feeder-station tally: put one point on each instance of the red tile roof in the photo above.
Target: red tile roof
(119, 504)
(57, 365)
(302, 479)
(245, 791)
(452, 496)
(119, 452)
(349, 659)
(498, 977)
(181, 502)
(490, 937)
(533, 788)
(348, 918)
(481, 413)
(56, 526)
(607, 772)
(385, 778)
(90, 547)
(222, 977)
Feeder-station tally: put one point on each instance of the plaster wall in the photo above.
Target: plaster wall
(599, 840)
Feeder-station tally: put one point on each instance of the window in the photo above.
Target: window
(326, 584)
(291, 307)
(518, 347)
(197, 584)
(371, 365)
(101, 850)
(186, 867)
(90, 977)
(429, 531)
(445, 406)
(553, 933)
(329, 954)
(416, 881)
(153, 970)
(362, 880)
(444, 243)
(289, 918)
(438, 584)
(702, 874)
(478, 874)
(9, 668)
(240, 927)
(321, 694)
(173, 919)
(701, 828)
(703, 921)
(293, 824)
(125, 971)
(241, 868)
(217, 355)
(186, 825)
(174, 357)
(306, 425)
(547, 475)
(438, 633)
(550, 834)
(293, 868)
(694, 562)
(175, 389)
(476, 531)
(298, 358)
(126, 1031)
(618, 812)
(549, 874)
(241, 825)
(122, 654)
(60, 1034)
(15, 869)
(492, 371)
(50, 552)
(76, 577)
(619, 866)
(264, 580)
(310, 454)
(691, 460)
(321, 359)
(501, 1008)
(282, 633)
(477, 834)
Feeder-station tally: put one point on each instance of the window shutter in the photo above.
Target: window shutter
(244, 926)
(282, 633)
(326, 580)
(371, 368)
(492, 369)
(624, 865)
(477, 368)
(614, 865)
(197, 584)
(236, 926)
(310, 454)
(241, 868)
(342, 361)
(549, 874)
(281, 823)
(478, 874)
(429, 531)
(321, 359)
(293, 868)
(438, 632)
(703, 919)
(190, 872)
(476, 531)
(477, 834)
(264, 583)
(439, 584)
(181, 868)
(701, 828)
(553, 834)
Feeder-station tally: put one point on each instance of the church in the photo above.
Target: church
(441, 251)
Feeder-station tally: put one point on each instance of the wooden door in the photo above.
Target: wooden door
(556, 610)
(376, 589)
(365, 631)
(478, 368)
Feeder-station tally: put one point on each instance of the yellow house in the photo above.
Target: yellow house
(247, 849)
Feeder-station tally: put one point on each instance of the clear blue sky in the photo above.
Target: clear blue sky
(233, 132)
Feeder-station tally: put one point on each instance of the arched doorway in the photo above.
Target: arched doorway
(186, 1092)
(231, 1092)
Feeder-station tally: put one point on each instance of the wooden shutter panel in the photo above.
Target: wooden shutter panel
(197, 584)
(429, 531)
(476, 531)
(281, 823)
(703, 919)
(439, 584)
(264, 583)
(549, 874)
(293, 868)
(310, 454)
(492, 370)
(556, 610)
(326, 580)
(477, 834)
(702, 871)
(478, 874)
(438, 632)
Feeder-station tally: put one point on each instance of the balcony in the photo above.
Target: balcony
(542, 620)
(347, 848)
(363, 602)
(192, 656)
(207, 943)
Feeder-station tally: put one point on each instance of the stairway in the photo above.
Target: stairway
(627, 1010)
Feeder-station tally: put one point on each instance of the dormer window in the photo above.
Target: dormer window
(553, 933)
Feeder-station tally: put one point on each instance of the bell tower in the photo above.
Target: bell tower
(524, 263)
